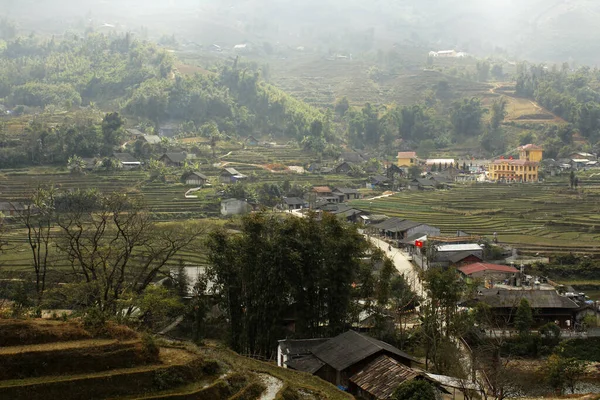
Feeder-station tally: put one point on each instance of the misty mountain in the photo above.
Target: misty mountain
(557, 30)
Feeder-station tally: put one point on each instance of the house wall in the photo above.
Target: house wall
(225, 179)
(194, 181)
(234, 208)
(506, 171)
(406, 162)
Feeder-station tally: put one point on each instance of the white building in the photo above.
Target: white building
(234, 207)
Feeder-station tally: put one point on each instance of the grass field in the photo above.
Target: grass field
(545, 218)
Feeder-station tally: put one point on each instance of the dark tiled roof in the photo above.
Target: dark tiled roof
(424, 182)
(351, 347)
(462, 255)
(300, 347)
(293, 200)
(199, 175)
(383, 376)
(397, 225)
(411, 239)
(124, 157)
(352, 157)
(537, 299)
(379, 179)
(310, 364)
(346, 191)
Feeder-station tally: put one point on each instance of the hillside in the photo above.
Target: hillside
(529, 29)
(43, 359)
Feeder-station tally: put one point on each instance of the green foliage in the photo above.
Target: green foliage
(150, 349)
(466, 116)
(94, 321)
(279, 262)
(524, 317)
(562, 372)
(415, 389)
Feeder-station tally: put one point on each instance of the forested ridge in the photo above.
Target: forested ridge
(119, 73)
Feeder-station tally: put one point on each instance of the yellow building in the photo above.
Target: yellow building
(407, 159)
(531, 152)
(513, 170)
(525, 169)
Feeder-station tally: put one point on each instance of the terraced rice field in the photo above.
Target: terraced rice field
(535, 218)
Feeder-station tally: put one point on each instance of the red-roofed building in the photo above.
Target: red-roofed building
(489, 272)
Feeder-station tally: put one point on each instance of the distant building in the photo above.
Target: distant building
(173, 159)
(491, 273)
(346, 194)
(231, 207)
(399, 229)
(127, 161)
(195, 178)
(407, 158)
(294, 203)
(231, 175)
(444, 162)
(343, 168)
(525, 169)
(251, 141)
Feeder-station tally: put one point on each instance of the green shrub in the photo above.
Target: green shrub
(150, 349)
(211, 367)
(94, 321)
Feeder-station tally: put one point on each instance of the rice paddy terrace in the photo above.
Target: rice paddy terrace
(42, 359)
(545, 218)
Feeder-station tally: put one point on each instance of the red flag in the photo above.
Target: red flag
(511, 157)
(418, 243)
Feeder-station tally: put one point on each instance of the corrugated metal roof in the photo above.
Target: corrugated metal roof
(351, 347)
(459, 247)
(383, 376)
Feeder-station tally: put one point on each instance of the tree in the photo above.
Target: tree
(113, 245)
(38, 218)
(414, 171)
(466, 116)
(523, 317)
(483, 71)
(415, 389)
(498, 112)
(497, 71)
(76, 165)
(111, 131)
(342, 106)
(280, 263)
(572, 178)
(563, 372)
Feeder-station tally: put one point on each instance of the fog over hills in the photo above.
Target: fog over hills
(540, 30)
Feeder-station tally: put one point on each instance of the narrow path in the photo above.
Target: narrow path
(273, 385)
(402, 264)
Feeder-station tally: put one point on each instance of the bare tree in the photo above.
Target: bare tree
(38, 218)
(115, 246)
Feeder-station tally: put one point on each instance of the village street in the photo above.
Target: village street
(403, 265)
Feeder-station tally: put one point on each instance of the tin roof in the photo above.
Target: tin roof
(459, 247)
(479, 267)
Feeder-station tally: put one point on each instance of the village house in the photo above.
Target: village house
(352, 157)
(464, 258)
(151, 139)
(195, 178)
(231, 207)
(135, 133)
(398, 229)
(127, 161)
(582, 155)
(251, 141)
(343, 168)
(546, 305)
(422, 184)
(168, 129)
(231, 175)
(378, 182)
(173, 159)
(11, 209)
(322, 191)
(488, 273)
(337, 359)
(407, 159)
(346, 194)
(294, 203)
